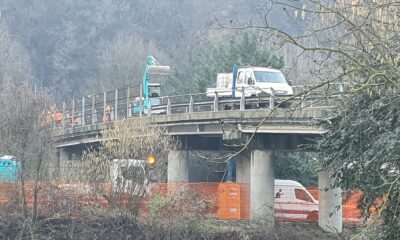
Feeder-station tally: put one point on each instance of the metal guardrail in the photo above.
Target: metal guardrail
(122, 104)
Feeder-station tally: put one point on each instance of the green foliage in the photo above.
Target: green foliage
(362, 149)
(241, 50)
(298, 166)
(155, 205)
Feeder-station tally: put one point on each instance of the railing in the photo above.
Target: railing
(122, 104)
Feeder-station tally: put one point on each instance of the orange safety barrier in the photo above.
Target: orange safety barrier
(206, 191)
(164, 189)
(351, 211)
(244, 201)
(52, 197)
(229, 201)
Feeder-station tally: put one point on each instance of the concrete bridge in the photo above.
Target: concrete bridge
(200, 123)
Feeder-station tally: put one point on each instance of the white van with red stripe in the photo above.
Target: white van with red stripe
(293, 202)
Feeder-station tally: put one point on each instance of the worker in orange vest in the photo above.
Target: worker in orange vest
(58, 117)
(107, 114)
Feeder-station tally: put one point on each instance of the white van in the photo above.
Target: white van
(293, 202)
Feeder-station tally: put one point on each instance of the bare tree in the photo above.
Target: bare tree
(129, 139)
(14, 63)
(122, 62)
(24, 135)
(356, 43)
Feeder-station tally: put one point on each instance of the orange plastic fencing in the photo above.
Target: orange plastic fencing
(244, 201)
(204, 191)
(52, 198)
(229, 201)
(351, 211)
(164, 189)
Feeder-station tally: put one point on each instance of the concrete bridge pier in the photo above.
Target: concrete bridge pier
(178, 166)
(243, 167)
(62, 155)
(330, 204)
(262, 184)
(257, 168)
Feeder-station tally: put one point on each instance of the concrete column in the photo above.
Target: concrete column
(262, 183)
(62, 155)
(330, 204)
(243, 168)
(178, 166)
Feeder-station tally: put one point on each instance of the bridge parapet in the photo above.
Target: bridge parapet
(95, 112)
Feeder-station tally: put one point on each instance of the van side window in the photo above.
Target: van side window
(302, 195)
(240, 78)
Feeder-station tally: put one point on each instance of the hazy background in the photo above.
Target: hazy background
(74, 47)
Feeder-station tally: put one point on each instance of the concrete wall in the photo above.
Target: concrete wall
(178, 166)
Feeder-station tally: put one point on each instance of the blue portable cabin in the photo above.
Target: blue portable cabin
(9, 169)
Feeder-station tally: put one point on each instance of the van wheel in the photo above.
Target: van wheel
(313, 216)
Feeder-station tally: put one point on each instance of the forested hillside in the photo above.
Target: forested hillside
(78, 46)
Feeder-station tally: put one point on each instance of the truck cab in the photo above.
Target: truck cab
(153, 99)
(155, 93)
(256, 80)
(252, 81)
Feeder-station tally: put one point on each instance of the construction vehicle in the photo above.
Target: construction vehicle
(250, 81)
(150, 93)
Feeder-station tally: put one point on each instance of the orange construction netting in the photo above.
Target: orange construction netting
(228, 201)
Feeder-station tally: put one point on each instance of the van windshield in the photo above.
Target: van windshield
(270, 77)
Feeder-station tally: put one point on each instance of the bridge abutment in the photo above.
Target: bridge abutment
(330, 204)
(178, 166)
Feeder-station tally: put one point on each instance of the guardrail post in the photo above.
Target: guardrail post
(272, 99)
(128, 104)
(216, 102)
(64, 112)
(140, 101)
(116, 105)
(242, 100)
(83, 111)
(73, 114)
(94, 116)
(191, 103)
(168, 106)
(148, 108)
(104, 104)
